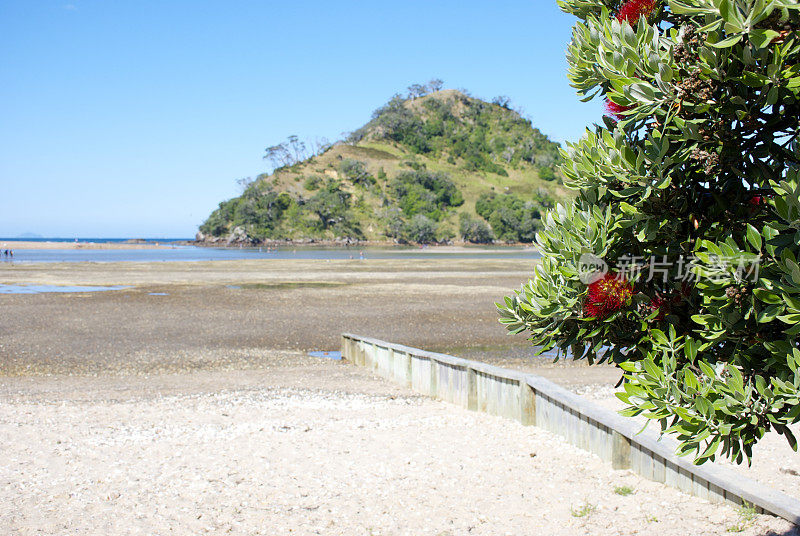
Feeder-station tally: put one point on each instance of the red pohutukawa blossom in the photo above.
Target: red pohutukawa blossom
(607, 296)
(632, 10)
(615, 110)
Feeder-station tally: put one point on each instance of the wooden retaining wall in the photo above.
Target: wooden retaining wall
(532, 400)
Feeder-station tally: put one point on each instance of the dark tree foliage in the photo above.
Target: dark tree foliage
(503, 101)
(512, 218)
(475, 230)
(420, 229)
(356, 172)
(426, 193)
(258, 210)
(331, 206)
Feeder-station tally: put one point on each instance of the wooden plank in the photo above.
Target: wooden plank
(472, 390)
(700, 487)
(659, 468)
(527, 404)
(620, 451)
(646, 463)
(685, 480)
(716, 494)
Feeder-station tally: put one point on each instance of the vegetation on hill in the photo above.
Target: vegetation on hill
(433, 166)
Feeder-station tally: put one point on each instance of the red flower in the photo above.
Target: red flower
(632, 10)
(756, 200)
(615, 110)
(607, 295)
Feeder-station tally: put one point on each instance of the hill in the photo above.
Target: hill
(435, 167)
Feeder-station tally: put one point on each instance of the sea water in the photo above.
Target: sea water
(39, 289)
(194, 253)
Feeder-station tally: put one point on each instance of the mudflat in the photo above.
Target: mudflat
(207, 315)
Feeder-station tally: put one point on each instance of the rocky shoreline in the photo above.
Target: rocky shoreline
(238, 238)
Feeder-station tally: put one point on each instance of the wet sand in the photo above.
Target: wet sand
(188, 316)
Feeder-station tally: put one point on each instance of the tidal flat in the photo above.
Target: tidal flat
(177, 316)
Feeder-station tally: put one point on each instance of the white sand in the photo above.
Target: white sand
(321, 448)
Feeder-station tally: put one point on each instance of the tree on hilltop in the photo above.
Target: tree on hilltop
(435, 85)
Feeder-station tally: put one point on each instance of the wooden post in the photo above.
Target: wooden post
(472, 389)
(620, 451)
(434, 378)
(527, 404)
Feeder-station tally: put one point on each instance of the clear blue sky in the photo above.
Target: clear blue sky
(123, 119)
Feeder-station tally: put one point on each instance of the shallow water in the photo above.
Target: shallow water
(194, 253)
(40, 289)
(331, 354)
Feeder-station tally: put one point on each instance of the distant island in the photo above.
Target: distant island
(434, 166)
(29, 236)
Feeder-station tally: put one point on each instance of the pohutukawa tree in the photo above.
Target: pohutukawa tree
(678, 259)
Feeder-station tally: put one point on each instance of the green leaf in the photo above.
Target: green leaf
(754, 237)
(762, 38)
(768, 315)
(766, 296)
(659, 336)
(690, 349)
(727, 43)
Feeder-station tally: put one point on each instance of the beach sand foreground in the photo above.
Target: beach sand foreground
(315, 447)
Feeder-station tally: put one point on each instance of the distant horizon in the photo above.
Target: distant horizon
(138, 120)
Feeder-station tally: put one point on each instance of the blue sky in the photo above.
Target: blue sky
(123, 119)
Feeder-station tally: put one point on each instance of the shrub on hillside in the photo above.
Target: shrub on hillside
(330, 204)
(512, 218)
(312, 182)
(474, 230)
(420, 229)
(356, 172)
(424, 192)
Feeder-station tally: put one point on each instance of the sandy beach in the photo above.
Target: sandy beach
(186, 404)
(27, 244)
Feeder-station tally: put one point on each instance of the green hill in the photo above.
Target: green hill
(435, 168)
